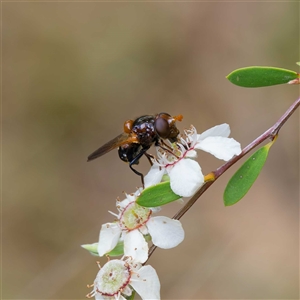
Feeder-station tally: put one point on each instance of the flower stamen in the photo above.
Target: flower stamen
(134, 216)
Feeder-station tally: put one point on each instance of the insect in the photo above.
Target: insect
(139, 135)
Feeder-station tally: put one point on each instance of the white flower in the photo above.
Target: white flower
(117, 279)
(134, 222)
(185, 173)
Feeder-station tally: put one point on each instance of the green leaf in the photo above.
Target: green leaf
(298, 63)
(92, 248)
(261, 76)
(243, 179)
(118, 250)
(157, 195)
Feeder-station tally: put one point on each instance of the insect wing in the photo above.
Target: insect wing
(121, 139)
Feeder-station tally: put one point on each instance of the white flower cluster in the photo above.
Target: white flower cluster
(135, 224)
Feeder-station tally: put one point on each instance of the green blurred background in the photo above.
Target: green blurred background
(74, 72)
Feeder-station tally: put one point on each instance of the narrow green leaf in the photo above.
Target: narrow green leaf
(157, 195)
(118, 250)
(243, 179)
(261, 76)
(92, 248)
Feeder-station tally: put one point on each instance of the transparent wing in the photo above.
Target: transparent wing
(121, 139)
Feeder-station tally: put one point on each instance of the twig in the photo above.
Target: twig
(269, 134)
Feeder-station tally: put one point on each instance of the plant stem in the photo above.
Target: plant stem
(268, 134)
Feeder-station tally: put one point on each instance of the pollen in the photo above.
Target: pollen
(134, 216)
(112, 278)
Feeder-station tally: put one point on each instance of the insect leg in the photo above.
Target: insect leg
(135, 160)
(150, 157)
(162, 145)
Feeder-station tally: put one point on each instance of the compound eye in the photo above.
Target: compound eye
(162, 127)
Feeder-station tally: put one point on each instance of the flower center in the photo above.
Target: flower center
(112, 278)
(182, 156)
(134, 216)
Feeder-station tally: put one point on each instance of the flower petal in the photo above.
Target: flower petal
(154, 176)
(156, 209)
(165, 232)
(132, 197)
(135, 246)
(146, 283)
(186, 177)
(219, 130)
(191, 154)
(221, 147)
(127, 291)
(108, 238)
